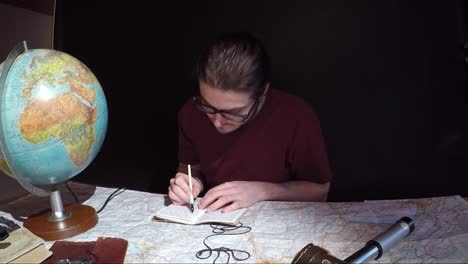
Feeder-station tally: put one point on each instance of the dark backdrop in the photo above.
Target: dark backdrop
(387, 79)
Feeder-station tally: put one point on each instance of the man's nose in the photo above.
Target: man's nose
(218, 120)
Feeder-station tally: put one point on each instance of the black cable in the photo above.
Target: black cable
(105, 203)
(220, 230)
(70, 190)
(115, 193)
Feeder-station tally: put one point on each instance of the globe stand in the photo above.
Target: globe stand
(59, 223)
(58, 214)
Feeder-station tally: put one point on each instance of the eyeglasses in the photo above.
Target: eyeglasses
(197, 101)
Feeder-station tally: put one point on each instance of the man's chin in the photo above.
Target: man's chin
(222, 131)
(225, 130)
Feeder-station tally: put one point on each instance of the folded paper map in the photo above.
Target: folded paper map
(22, 246)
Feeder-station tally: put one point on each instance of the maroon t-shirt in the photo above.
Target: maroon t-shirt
(282, 142)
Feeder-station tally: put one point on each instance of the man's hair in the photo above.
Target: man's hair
(235, 61)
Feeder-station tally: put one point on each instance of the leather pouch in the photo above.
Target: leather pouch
(103, 250)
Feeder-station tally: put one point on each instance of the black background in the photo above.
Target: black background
(387, 79)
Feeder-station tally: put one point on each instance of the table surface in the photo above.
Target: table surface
(279, 229)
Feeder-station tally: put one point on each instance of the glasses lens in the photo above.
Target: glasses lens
(232, 117)
(203, 107)
(211, 110)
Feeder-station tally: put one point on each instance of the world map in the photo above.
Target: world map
(279, 229)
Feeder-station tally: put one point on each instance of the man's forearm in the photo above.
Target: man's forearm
(296, 191)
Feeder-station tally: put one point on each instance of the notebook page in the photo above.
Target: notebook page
(219, 217)
(180, 213)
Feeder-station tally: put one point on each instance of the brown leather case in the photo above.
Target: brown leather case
(103, 250)
(315, 254)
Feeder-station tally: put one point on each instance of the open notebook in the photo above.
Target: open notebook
(182, 214)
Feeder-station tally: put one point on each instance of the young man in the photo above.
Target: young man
(245, 141)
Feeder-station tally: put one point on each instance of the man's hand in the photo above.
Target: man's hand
(233, 195)
(179, 190)
(240, 194)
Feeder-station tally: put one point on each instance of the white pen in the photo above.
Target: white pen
(190, 185)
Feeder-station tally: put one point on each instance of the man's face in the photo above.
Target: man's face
(238, 103)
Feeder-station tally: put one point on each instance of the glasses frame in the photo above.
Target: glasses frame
(197, 101)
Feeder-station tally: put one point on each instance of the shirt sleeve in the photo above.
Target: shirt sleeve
(307, 156)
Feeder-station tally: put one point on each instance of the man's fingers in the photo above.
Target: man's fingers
(181, 180)
(197, 187)
(215, 194)
(174, 198)
(208, 199)
(180, 194)
(179, 189)
(221, 202)
(233, 206)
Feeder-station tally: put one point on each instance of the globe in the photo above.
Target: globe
(53, 117)
(53, 121)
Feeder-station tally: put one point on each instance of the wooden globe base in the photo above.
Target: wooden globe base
(82, 218)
